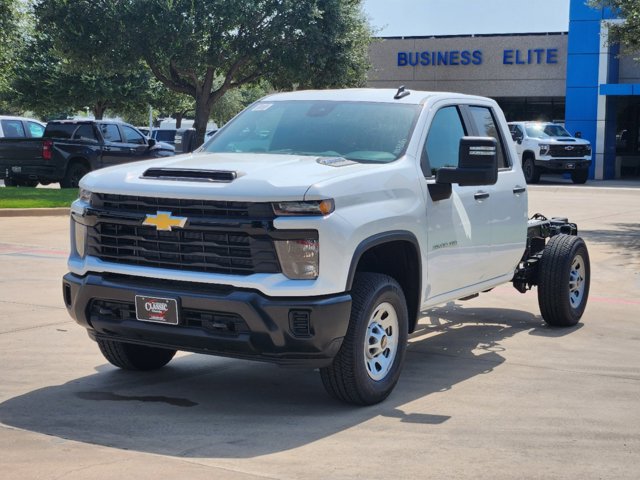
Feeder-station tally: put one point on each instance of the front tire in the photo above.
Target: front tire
(368, 365)
(531, 172)
(580, 176)
(129, 356)
(563, 280)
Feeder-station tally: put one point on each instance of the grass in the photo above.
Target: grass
(23, 197)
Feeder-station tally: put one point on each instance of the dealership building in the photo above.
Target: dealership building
(572, 77)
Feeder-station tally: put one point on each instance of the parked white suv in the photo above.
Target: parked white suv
(549, 148)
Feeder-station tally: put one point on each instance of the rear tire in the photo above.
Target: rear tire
(368, 365)
(531, 172)
(72, 177)
(580, 176)
(129, 356)
(563, 280)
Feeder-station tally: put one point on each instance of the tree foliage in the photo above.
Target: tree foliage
(626, 33)
(204, 48)
(48, 83)
(11, 18)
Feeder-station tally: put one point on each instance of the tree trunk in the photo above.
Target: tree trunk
(178, 117)
(203, 111)
(98, 110)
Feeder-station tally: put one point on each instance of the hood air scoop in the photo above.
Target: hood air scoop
(189, 175)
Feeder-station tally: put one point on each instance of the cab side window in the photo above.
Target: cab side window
(516, 132)
(487, 127)
(110, 132)
(35, 130)
(443, 141)
(132, 136)
(13, 129)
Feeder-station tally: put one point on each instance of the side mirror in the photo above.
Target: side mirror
(578, 135)
(477, 163)
(519, 140)
(151, 142)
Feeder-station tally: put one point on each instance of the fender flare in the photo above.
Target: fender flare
(380, 239)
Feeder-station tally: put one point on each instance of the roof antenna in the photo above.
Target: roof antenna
(401, 93)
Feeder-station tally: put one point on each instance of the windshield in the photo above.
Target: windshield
(541, 130)
(360, 131)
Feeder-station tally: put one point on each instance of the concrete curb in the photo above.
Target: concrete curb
(33, 212)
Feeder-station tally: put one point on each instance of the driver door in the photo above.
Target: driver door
(458, 227)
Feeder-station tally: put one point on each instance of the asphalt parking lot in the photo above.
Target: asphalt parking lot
(488, 391)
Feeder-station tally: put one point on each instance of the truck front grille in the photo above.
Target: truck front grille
(568, 151)
(195, 248)
(181, 207)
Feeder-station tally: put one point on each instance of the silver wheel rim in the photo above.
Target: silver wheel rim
(381, 341)
(577, 281)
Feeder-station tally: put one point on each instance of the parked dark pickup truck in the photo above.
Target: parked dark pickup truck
(69, 149)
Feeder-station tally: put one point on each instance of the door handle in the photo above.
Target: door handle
(481, 195)
(519, 189)
(106, 149)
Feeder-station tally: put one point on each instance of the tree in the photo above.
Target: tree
(626, 33)
(46, 82)
(169, 103)
(12, 18)
(204, 48)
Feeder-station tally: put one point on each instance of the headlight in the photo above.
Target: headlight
(299, 259)
(544, 149)
(84, 195)
(587, 149)
(312, 207)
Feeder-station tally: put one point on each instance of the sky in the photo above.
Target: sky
(398, 18)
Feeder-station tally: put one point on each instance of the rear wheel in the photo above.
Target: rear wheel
(563, 280)
(368, 365)
(531, 172)
(580, 176)
(75, 172)
(129, 356)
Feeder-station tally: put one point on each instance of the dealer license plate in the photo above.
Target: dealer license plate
(156, 309)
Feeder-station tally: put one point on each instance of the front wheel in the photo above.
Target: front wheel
(580, 176)
(368, 365)
(563, 280)
(531, 172)
(129, 356)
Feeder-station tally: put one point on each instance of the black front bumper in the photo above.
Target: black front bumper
(216, 320)
(563, 165)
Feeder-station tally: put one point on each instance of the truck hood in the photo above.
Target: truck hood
(259, 177)
(564, 141)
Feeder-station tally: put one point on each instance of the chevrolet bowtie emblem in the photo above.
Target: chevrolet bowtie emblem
(165, 221)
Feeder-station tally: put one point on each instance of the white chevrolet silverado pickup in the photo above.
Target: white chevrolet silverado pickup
(549, 148)
(312, 230)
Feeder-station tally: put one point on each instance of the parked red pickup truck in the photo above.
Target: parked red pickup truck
(69, 149)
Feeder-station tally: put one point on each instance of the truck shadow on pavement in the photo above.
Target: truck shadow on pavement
(201, 406)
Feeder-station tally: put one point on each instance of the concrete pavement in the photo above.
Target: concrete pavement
(488, 391)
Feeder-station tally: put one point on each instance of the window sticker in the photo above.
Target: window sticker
(262, 107)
